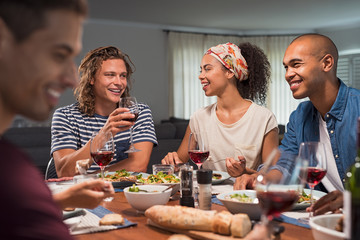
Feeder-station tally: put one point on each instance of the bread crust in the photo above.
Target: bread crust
(221, 222)
(240, 225)
(181, 217)
(186, 218)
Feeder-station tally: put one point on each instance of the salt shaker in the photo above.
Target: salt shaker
(186, 186)
(204, 179)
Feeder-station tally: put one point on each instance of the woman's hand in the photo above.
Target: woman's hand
(331, 202)
(171, 158)
(88, 194)
(236, 168)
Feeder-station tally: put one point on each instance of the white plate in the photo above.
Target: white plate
(316, 195)
(224, 176)
(73, 222)
(122, 184)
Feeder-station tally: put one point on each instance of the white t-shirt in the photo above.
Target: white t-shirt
(242, 138)
(332, 180)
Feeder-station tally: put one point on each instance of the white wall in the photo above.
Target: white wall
(147, 50)
(346, 39)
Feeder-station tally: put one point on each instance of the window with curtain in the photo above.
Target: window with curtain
(185, 53)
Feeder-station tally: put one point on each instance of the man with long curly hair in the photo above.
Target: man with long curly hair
(105, 78)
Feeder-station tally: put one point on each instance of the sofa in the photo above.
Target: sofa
(36, 141)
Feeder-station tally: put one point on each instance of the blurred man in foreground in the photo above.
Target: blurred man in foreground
(38, 42)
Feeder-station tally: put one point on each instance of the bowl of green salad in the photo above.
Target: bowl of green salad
(141, 197)
(242, 201)
(161, 179)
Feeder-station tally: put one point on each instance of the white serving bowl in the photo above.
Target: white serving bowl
(175, 189)
(143, 200)
(323, 227)
(253, 210)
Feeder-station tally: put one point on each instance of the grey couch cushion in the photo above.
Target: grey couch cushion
(35, 141)
(165, 130)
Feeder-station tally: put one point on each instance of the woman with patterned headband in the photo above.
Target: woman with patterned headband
(235, 126)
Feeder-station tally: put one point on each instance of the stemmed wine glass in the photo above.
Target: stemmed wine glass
(314, 154)
(131, 104)
(198, 148)
(278, 195)
(102, 150)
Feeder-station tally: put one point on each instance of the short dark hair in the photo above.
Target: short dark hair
(23, 17)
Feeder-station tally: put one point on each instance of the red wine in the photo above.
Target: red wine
(315, 175)
(198, 156)
(132, 119)
(102, 158)
(273, 203)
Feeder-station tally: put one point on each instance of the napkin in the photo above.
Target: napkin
(90, 222)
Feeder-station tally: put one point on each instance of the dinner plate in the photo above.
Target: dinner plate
(74, 213)
(71, 223)
(123, 184)
(224, 176)
(316, 195)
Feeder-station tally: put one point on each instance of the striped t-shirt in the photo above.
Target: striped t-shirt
(71, 129)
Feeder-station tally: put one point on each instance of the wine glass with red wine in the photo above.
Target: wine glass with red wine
(198, 148)
(132, 105)
(102, 150)
(314, 154)
(276, 195)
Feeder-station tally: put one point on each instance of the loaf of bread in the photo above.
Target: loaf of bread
(187, 218)
(179, 237)
(112, 219)
(221, 223)
(181, 217)
(240, 225)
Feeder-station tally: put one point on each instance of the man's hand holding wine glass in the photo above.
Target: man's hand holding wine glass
(118, 121)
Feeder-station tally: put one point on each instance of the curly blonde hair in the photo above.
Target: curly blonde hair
(90, 64)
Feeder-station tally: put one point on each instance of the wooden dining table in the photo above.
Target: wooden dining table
(145, 231)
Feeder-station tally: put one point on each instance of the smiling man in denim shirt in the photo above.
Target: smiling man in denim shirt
(329, 117)
(331, 114)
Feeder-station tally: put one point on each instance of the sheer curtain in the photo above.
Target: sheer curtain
(185, 53)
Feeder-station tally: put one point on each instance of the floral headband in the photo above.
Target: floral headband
(230, 56)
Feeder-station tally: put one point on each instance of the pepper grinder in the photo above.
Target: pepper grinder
(186, 186)
(204, 179)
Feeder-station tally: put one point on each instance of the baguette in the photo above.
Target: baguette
(240, 225)
(181, 217)
(187, 218)
(221, 223)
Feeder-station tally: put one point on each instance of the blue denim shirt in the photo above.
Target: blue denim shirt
(341, 122)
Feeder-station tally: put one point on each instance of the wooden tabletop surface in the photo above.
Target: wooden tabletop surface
(144, 231)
